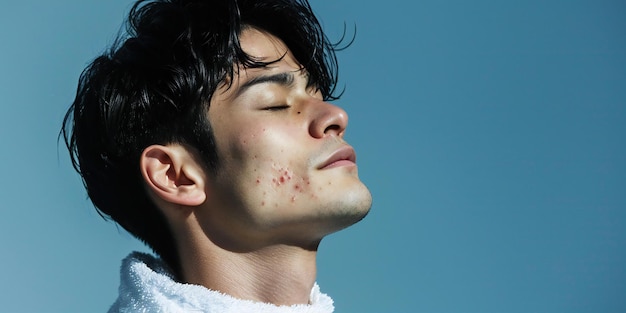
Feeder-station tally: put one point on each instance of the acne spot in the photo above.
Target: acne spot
(296, 187)
(293, 199)
(283, 175)
(263, 203)
(258, 181)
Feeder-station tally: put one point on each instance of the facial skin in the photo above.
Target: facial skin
(277, 142)
(285, 179)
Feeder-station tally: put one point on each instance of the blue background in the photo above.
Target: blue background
(491, 134)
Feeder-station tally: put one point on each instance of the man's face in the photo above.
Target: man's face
(285, 175)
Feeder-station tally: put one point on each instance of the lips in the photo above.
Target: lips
(343, 156)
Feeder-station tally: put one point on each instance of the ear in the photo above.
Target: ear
(173, 174)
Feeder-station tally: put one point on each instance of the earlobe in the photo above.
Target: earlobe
(173, 175)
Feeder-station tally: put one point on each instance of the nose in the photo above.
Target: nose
(327, 120)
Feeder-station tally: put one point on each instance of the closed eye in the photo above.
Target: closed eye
(277, 108)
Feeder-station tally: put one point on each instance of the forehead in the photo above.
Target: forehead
(261, 46)
(265, 47)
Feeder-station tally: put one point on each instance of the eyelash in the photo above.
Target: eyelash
(277, 108)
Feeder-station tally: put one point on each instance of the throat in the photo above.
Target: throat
(281, 275)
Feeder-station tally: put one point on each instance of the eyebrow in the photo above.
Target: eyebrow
(284, 79)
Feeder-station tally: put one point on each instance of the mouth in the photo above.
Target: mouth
(344, 156)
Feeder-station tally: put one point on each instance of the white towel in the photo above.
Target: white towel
(147, 286)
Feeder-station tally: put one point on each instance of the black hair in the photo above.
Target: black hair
(154, 85)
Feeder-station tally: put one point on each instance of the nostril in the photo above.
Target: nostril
(332, 128)
(327, 120)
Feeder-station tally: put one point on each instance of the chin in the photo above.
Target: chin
(353, 207)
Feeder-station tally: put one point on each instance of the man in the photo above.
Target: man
(207, 135)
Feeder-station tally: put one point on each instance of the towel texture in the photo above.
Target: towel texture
(147, 286)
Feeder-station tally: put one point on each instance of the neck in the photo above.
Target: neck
(278, 274)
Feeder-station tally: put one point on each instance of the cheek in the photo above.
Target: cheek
(245, 149)
(275, 167)
(283, 186)
(251, 137)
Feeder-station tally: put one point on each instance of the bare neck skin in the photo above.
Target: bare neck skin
(279, 274)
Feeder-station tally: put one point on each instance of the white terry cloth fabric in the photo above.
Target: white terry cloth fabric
(147, 286)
